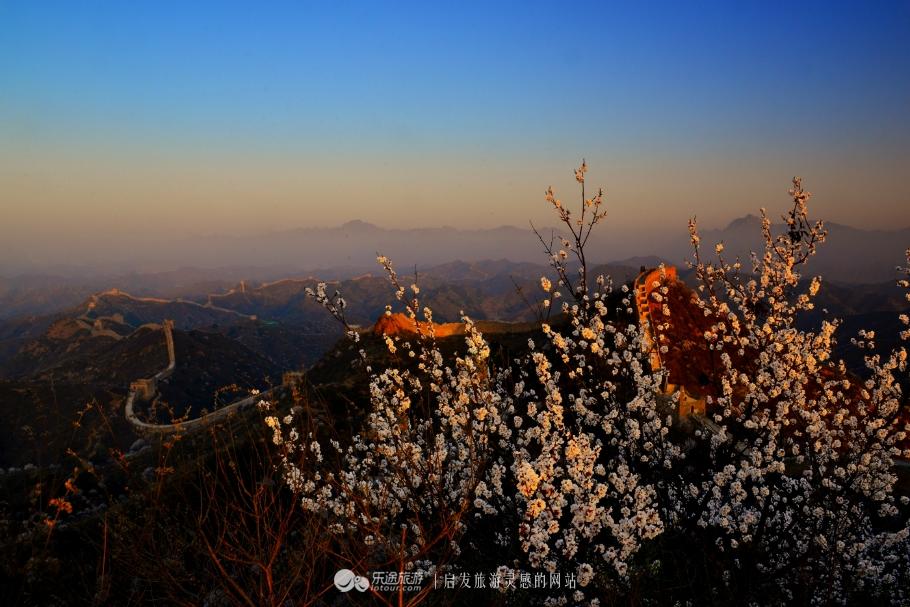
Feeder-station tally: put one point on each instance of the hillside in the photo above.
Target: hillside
(78, 356)
(207, 364)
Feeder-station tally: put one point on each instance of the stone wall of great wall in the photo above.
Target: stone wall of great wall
(146, 389)
(645, 285)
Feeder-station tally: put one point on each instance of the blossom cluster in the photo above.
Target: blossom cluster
(581, 454)
(425, 458)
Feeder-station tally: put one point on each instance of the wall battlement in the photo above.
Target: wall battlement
(647, 283)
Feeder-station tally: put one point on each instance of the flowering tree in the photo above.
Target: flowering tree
(797, 483)
(580, 458)
(590, 461)
(403, 488)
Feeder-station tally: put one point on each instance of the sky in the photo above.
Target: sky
(135, 120)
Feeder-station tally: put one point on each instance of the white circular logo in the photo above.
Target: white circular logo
(345, 580)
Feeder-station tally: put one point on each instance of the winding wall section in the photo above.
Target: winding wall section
(146, 389)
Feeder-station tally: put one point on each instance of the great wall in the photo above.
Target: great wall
(676, 356)
(678, 385)
(146, 390)
(647, 284)
(209, 305)
(689, 403)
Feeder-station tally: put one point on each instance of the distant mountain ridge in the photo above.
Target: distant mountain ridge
(851, 255)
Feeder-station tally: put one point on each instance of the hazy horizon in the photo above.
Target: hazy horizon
(851, 254)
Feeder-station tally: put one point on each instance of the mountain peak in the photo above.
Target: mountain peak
(358, 225)
(745, 221)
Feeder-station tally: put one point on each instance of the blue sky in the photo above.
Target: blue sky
(230, 115)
